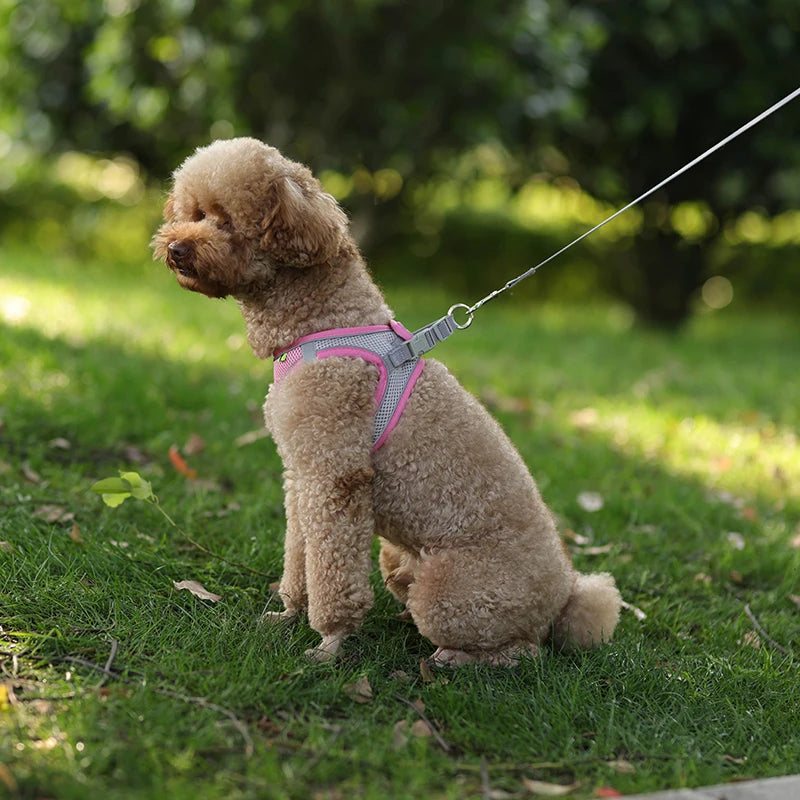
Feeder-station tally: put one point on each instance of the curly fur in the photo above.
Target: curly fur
(467, 543)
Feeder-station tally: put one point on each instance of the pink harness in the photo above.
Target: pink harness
(373, 343)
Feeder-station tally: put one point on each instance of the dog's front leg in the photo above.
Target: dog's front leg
(339, 529)
(322, 419)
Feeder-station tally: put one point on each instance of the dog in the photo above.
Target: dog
(467, 543)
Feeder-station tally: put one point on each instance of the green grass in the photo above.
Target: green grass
(691, 440)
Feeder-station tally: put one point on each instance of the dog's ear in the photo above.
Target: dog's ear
(303, 225)
(169, 208)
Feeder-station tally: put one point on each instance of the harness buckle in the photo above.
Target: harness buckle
(422, 340)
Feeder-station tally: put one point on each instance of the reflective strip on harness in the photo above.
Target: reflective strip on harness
(372, 343)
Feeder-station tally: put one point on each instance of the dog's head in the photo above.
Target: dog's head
(239, 211)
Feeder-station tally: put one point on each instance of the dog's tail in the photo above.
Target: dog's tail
(591, 613)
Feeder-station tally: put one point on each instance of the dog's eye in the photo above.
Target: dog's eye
(199, 214)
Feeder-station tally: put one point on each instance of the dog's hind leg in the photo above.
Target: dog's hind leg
(487, 604)
(398, 566)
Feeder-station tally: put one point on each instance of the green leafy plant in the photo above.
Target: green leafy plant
(115, 491)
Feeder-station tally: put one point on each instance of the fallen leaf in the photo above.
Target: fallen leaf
(60, 443)
(733, 760)
(194, 444)
(795, 542)
(622, 766)
(701, 577)
(7, 546)
(400, 675)
(421, 729)
(75, 534)
(549, 789)
(197, 589)
(793, 597)
(250, 437)
(751, 638)
(180, 464)
(360, 691)
(576, 538)
(607, 791)
(30, 474)
(749, 513)
(736, 576)
(52, 513)
(425, 671)
(597, 550)
(637, 612)
(591, 501)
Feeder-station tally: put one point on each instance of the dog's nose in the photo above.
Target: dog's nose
(178, 251)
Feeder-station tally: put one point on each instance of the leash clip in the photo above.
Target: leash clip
(428, 337)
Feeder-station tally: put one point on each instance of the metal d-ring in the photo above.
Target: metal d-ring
(464, 325)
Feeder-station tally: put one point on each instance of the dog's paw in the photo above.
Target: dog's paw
(508, 657)
(327, 649)
(278, 617)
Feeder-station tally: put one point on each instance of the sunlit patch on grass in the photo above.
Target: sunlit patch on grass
(753, 458)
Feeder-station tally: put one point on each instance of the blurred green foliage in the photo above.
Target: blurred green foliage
(434, 123)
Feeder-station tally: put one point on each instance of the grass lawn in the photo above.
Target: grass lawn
(113, 683)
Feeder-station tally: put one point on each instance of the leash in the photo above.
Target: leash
(427, 337)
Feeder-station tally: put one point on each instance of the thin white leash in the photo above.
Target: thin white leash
(426, 338)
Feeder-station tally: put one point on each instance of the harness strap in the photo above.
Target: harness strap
(389, 347)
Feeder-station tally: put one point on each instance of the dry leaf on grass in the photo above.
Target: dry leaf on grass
(180, 464)
(635, 610)
(197, 589)
(59, 443)
(360, 690)
(194, 444)
(751, 638)
(545, 789)
(51, 513)
(7, 546)
(250, 437)
(597, 550)
(30, 474)
(591, 501)
(402, 732)
(426, 671)
(795, 599)
(576, 538)
(795, 542)
(75, 534)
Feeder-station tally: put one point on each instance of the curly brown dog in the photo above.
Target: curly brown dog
(466, 541)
